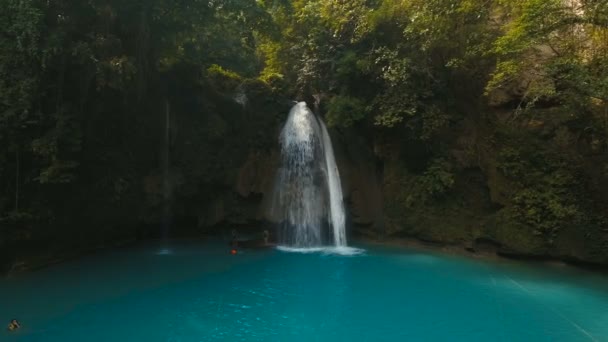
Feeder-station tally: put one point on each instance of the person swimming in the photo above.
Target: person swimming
(14, 325)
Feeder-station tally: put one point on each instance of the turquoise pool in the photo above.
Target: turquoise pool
(197, 291)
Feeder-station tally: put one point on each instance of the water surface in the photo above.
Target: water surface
(196, 291)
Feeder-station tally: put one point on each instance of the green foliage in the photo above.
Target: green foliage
(547, 196)
(82, 84)
(222, 79)
(58, 172)
(397, 58)
(344, 111)
(116, 73)
(511, 163)
(401, 96)
(432, 121)
(438, 178)
(545, 211)
(20, 63)
(546, 45)
(435, 182)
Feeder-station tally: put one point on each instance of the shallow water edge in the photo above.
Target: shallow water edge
(493, 254)
(49, 258)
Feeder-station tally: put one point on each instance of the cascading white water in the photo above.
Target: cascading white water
(308, 194)
(335, 190)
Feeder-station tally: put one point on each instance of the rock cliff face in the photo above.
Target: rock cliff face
(243, 195)
(390, 189)
(505, 195)
(473, 196)
(534, 191)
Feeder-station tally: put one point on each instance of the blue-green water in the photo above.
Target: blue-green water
(199, 292)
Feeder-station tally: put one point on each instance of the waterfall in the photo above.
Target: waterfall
(335, 190)
(308, 193)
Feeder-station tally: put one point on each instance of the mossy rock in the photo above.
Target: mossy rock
(515, 238)
(582, 242)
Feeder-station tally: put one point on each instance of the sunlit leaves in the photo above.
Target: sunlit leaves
(558, 41)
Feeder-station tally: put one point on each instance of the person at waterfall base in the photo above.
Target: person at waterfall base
(14, 325)
(266, 236)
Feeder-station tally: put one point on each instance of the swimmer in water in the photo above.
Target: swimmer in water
(14, 325)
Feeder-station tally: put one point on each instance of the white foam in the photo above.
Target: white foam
(164, 251)
(342, 250)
